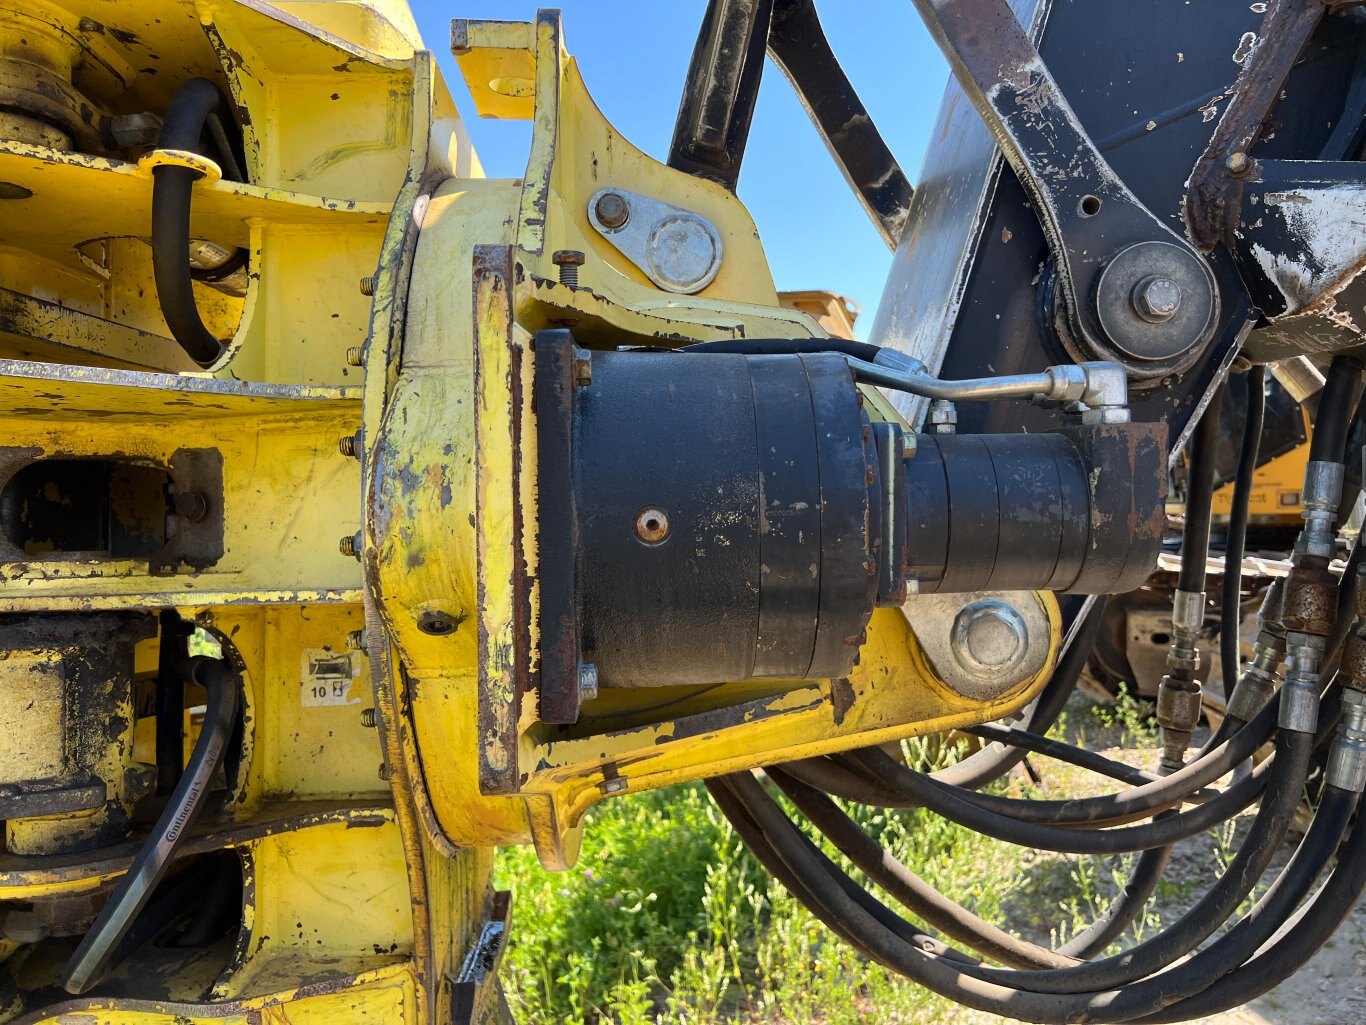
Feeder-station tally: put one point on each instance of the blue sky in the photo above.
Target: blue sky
(633, 54)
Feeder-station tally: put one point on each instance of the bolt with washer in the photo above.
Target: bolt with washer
(989, 639)
(436, 623)
(612, 210)
(1157, 298)
(943, 417)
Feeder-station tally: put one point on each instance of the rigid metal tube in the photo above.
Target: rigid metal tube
(982, 389)
(92, 959)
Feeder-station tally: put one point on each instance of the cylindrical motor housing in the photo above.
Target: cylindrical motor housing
(709, 517)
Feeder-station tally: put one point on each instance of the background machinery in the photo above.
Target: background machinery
(360, 514)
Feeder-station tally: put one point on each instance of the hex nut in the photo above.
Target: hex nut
(436, 623)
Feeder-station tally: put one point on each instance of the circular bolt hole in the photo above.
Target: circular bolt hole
(1090, 206)
(652, 525)
(437, 623)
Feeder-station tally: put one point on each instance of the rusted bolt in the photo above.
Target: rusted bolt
(612, 210)
(191, 505)
(384, 772)
(437, 623)
(613, 786)
(1157, 298)
(349, 445)
(583, 370)
(355, 356)
(367, 718)
(367, 285)
(1237, 162)
(569, 261)
(350, 545)
(355, 639)
(652, 525)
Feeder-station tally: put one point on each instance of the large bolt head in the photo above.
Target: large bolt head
(1157, 298)
(990, 638)
(612, 210)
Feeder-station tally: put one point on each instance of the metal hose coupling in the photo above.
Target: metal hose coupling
(1347, 758)
(1178, 696)
(1322, 497)
(1261, 677)
(1300, 693)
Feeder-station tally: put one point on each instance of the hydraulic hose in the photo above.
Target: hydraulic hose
(172, 190)
(94, 956)
(1231, 598)
(1340, 390)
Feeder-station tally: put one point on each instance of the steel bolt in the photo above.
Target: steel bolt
(367, 718)
(349, 446)
(943, 417)
(1157, 298)
(355, 356)
(191, 505)
(367, 285)
(384, 772)
(569, 261)
(436, 623)
(989, 638)
(588, 681)
(356, 639)
(613, 786)
(1237, 162)
(612, 210)
(350, 545)
(583, 370)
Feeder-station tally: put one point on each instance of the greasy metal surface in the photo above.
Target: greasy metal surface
(1088, 214)
(798, 45)
(1265, 59)
(720, 90)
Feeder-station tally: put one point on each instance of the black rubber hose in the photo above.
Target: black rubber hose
(1199, 498)
(1340, 390)
(1277, 811)
(1110, 924)
(172, 192)
(1149, 798)
(1300, 938)
(93, 957)
(1231, 603)
(1064, 752)
(918, 896)
(787, 346)
(1160, 832)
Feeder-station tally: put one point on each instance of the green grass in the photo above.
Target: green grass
(668, 919)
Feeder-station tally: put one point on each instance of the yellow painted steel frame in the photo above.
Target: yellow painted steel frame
(452, 510)
(366, 854)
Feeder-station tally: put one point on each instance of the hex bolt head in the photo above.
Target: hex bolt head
(583, 368)
(367, 285)
(350, 545)
(368, 719)
(436, 623)
(1237, 162)
(588, 681)
(615, 785)
(384, 772)
(349, 445)
(612, 210)
(355, 356)
(1157, 298)
(569, 261)
(942, 417)
(355, 640)
(191, 505)
(989, 638)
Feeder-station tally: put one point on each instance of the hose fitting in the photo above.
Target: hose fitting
(1300, 693)
(1347, 758)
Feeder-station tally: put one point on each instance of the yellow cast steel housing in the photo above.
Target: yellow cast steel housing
(393, 293)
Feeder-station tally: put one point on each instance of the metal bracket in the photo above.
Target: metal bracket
(1112, 254)
(677, 249)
